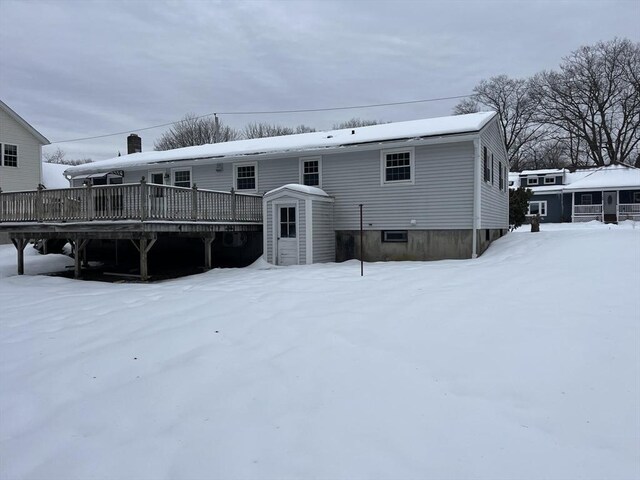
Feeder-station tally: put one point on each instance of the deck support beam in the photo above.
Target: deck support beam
(79, 252)
(143, 248)
(207, 252)
(20, 243)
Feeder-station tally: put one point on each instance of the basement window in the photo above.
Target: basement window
(395, 236)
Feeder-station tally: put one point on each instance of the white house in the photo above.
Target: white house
(20, 152)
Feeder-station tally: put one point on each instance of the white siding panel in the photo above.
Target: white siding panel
(28, 174)
(324, 239)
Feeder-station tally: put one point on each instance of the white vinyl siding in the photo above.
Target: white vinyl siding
(324, 239)
(28, 173)
(494, 210)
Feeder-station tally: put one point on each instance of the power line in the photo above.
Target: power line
(269, 112)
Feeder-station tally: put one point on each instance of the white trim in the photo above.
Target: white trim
(412, 163)
(477, 185)
(301, 169)
(550, 177)
(308, 218)
(299, 195)
(181, 169)
(235, 176)
(531, 182)
(17, 165)
(540, 203)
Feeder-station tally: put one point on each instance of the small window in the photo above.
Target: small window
(397, 236)
(397, 166)
(501, 179)
(182, 178)
(532, 180)
(492, 170)
(310, 172)
(245, 176)
(157, 178)
(586, 199)
(10, 155)
(537, 208)
(487, 168)
(549, 180)
(287, 222)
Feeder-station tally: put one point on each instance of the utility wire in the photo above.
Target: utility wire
(270, 112)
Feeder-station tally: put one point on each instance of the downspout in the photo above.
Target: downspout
(476, 197)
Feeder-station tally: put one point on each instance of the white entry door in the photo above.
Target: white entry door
(287, 235)
(157, 202)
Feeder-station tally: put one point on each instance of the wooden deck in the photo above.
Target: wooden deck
(137, 212)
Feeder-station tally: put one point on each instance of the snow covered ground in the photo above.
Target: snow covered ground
(522, 364)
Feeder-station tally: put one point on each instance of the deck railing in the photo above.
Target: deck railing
(587, 209)
(629, 209)
(140, 201)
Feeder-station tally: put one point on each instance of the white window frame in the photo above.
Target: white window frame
(383, 166)
(532, 181)
(181, 169)
(158, 172)
(303, 160)
(2, 160)
(235, 176)
(549, 180)
(542, 206)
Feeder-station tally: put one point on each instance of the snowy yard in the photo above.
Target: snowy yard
(522, 364)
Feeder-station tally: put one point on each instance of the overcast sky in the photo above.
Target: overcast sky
(76, 69)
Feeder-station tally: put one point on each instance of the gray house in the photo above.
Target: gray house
(20, 152)
(430, 189)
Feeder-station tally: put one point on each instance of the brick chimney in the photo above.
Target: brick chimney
(134, 143)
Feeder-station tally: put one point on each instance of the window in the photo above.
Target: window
(397, 166)
(397, 236)
(9, 155)
(157, 178)
(245, 176)
(287, 222)
(182, 178)
(487, 168)
(501, 179)
(310, 171)
(492, 169)
(636, 197)
(586, 199)
(532, 180)
(538, 208)
(549, 180)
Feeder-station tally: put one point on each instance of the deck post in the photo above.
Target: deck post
(20, 243)
(143, 248)
(233, 204)
(143, 199)
(39, 203)
(88, 193)
(79, 246)
(194, 202)
(207, 252)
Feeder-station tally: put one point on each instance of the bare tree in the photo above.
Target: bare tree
(355, 123)
(193, 130)
(59, 156)
(595, 100)
(262, 130)
(511, 99)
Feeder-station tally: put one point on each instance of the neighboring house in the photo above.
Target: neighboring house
(608, 194)
(430, 189)
(20, 152)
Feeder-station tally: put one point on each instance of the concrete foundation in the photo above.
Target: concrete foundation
(420, 245)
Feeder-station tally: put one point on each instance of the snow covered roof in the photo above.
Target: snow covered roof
(305, 142)
(548, 171)
(612, 176)
(53, 175)
(307, 190)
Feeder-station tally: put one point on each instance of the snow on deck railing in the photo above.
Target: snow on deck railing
(140, 201)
